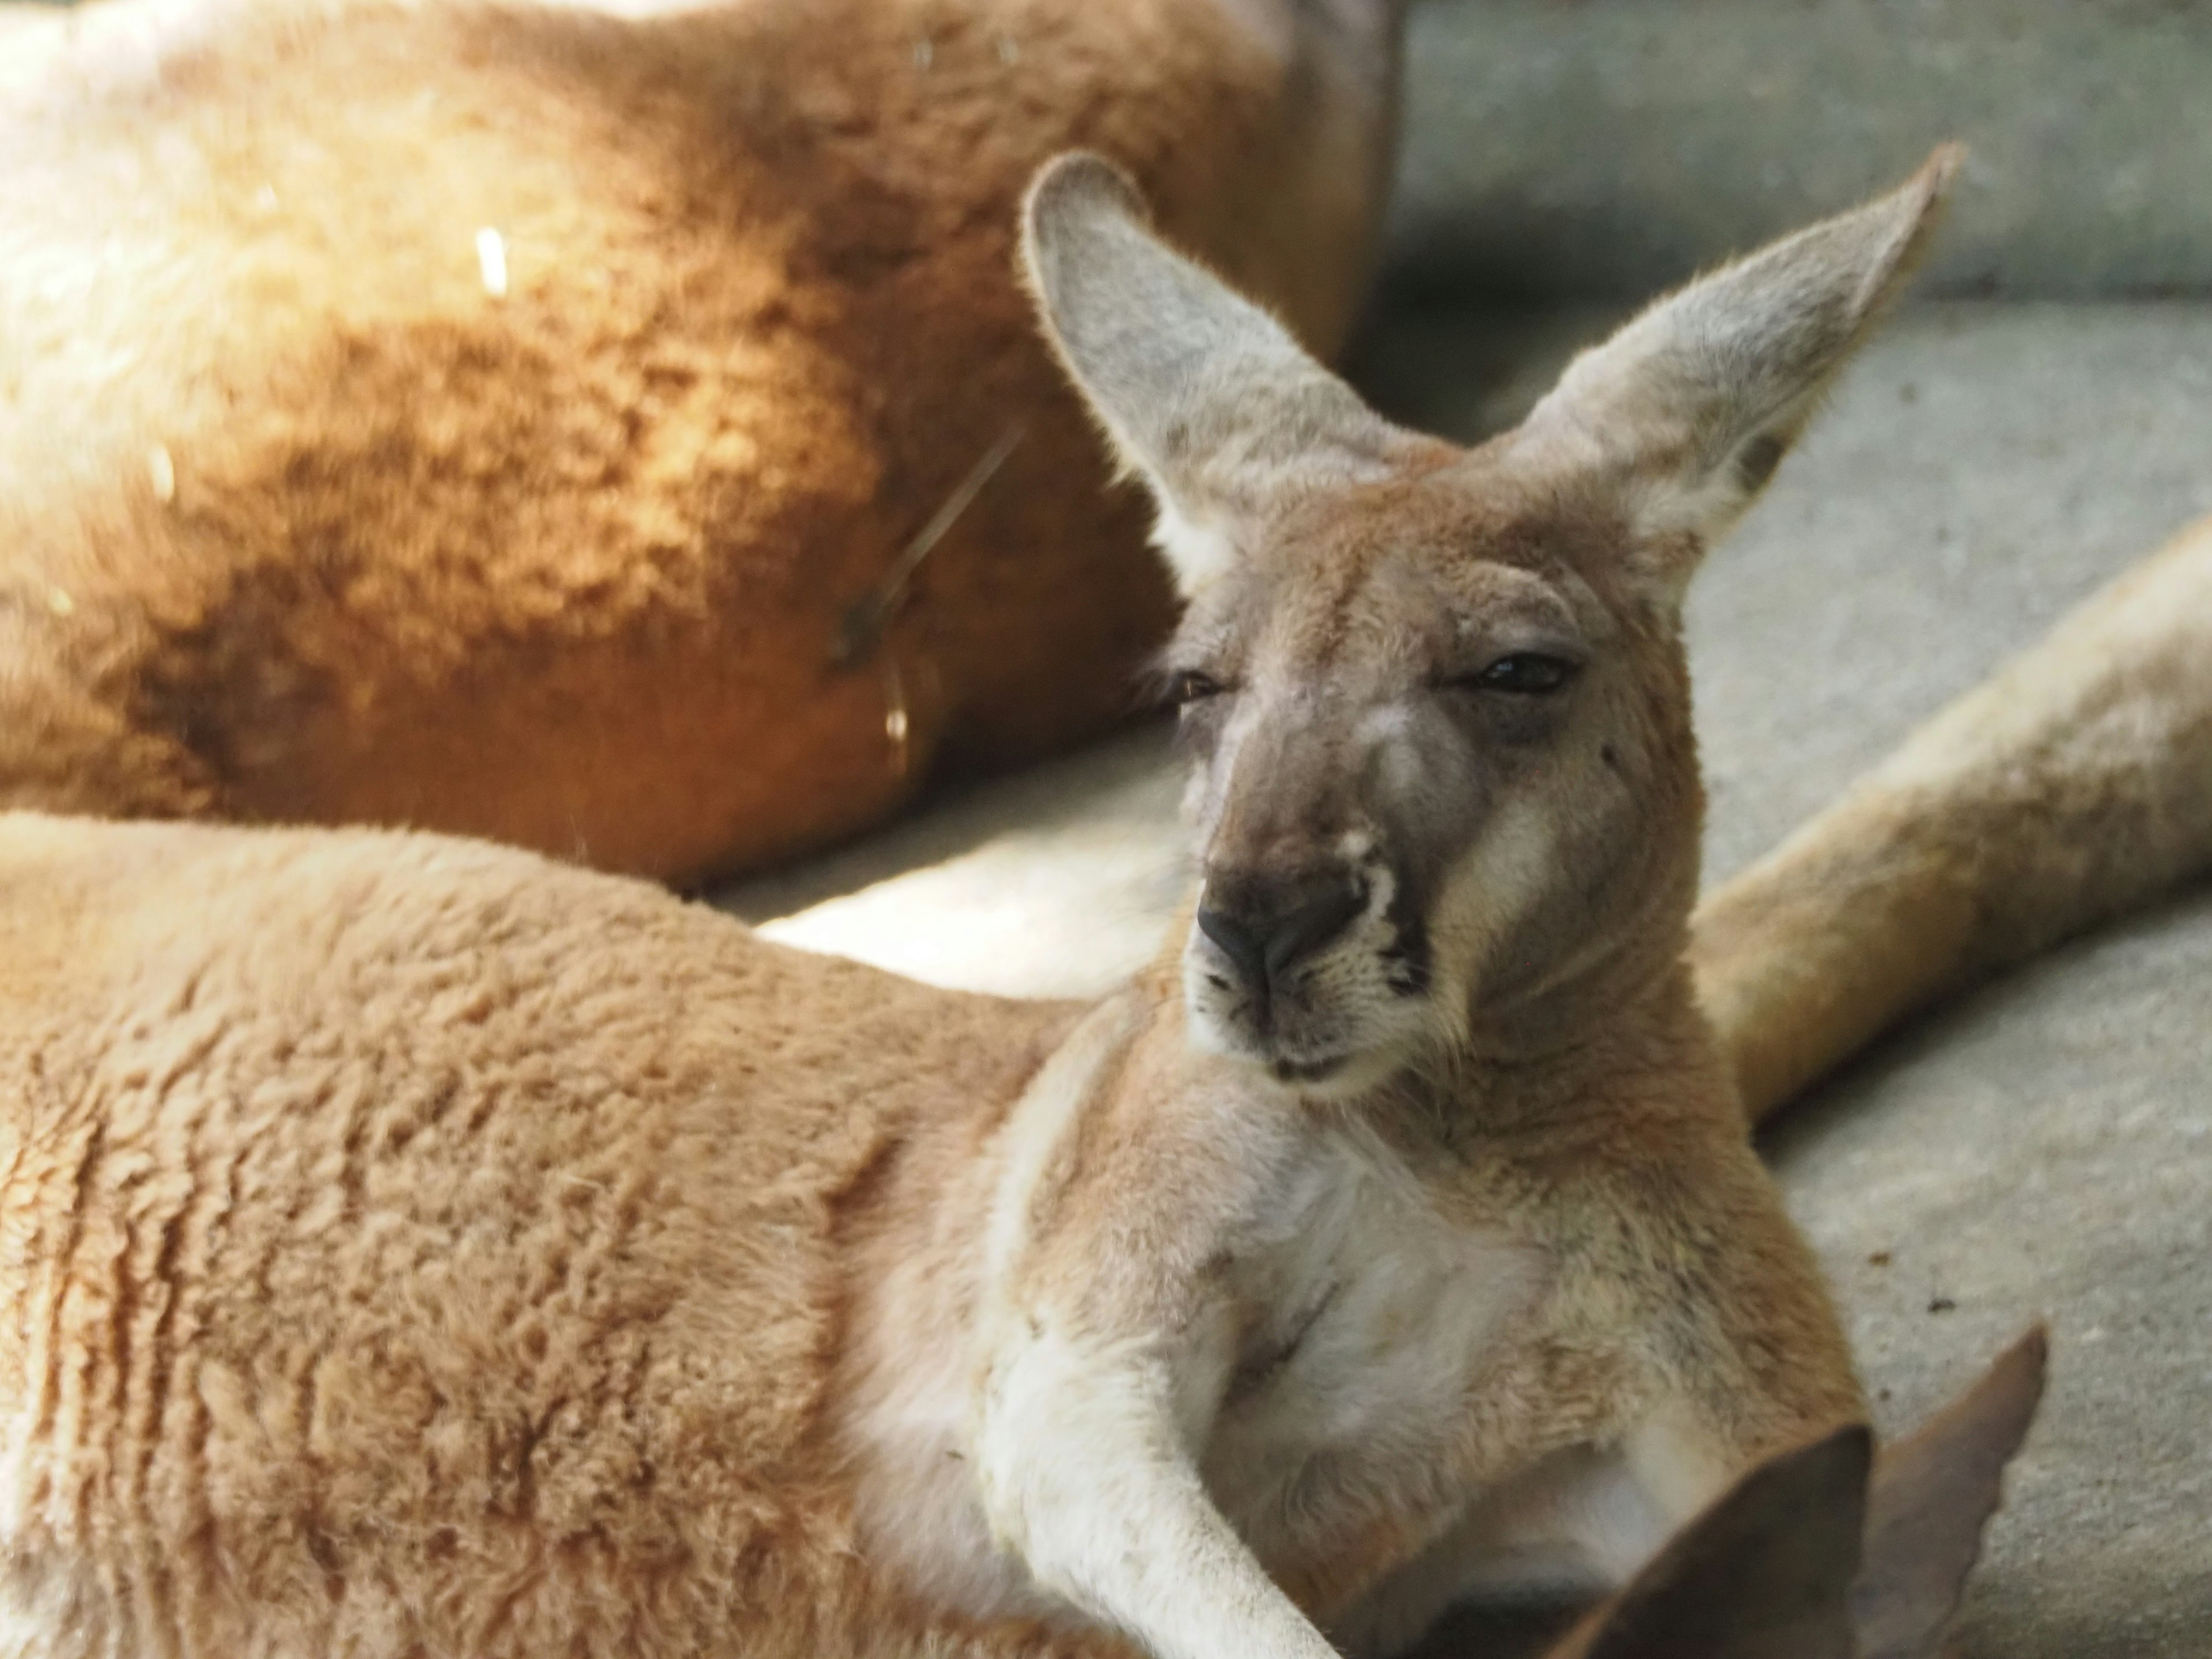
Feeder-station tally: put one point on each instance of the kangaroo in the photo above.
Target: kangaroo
(416, 1246)
(523, 420)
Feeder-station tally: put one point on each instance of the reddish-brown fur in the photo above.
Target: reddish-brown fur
(298, 522)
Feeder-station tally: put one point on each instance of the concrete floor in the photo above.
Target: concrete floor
(2043, 1150)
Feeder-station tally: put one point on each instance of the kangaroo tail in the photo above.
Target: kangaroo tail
(2072, 786)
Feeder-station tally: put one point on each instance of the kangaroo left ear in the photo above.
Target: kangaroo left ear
(1688, 410)
(1200, 391)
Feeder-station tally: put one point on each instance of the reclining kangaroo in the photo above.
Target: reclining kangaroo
(415, 1247)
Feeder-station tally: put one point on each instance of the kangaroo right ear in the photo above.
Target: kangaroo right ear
(1765, 1573)
(1688, 409)
(1933, 1492)
(1200, 390)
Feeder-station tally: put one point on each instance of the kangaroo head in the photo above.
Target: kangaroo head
(1808, 1558)
(1442, 781)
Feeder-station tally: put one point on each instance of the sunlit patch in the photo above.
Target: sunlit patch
(491, 262)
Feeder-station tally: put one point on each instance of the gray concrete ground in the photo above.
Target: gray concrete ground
(2044, 1149)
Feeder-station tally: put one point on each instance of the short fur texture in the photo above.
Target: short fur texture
(414, 1247)
(448, 1252)
(301, 522)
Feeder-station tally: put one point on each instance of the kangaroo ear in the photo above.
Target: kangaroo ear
(1933, 1493)
(1765, 1573)
(1200, 390)
(1690, 408)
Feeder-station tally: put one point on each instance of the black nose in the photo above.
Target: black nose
(1266, 928)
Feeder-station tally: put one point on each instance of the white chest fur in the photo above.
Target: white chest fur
(1377, 1312)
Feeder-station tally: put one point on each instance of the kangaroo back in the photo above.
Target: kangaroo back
(511, 420)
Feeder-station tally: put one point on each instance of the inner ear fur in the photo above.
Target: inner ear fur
(1200, 391)
(1688, 409)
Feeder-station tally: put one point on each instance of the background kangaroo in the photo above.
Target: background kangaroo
(509, 419)
(413, 1244)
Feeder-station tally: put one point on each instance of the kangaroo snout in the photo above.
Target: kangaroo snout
(1264, 926)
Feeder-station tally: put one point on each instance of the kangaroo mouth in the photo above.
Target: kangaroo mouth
(1284, 1069)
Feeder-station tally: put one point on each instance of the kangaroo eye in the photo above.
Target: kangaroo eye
(1524, 673)
(1189, 686)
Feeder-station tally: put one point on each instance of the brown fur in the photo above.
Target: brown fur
(415, 1247)
(2072, 786)
(301, 523)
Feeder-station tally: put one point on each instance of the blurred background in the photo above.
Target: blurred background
(1579, 148)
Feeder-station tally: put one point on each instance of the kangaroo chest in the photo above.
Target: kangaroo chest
(1327, 1377)
(1373, 1325)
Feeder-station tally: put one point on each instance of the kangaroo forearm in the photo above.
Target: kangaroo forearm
(1083, 1476)
(2072, 786)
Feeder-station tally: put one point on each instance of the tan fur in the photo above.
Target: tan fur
(2072, 786)
(298, 522)
(415, 1246)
